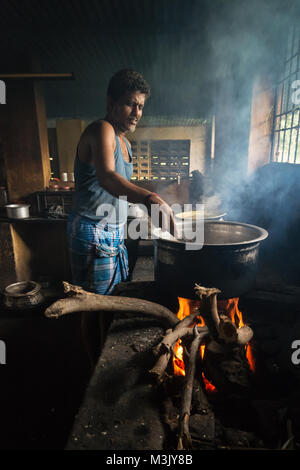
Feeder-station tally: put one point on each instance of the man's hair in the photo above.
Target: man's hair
(127, 80)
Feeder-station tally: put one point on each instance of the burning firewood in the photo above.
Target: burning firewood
(159, 368)
(224, 340)
(184, 439)
(222, 361)
(221, 327)
(224, 356)
(230, 333)
(169, 342)
(208, 308)
(180, 330)
(165, 347)
(227, 330)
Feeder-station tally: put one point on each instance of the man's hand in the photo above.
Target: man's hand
(166, 220)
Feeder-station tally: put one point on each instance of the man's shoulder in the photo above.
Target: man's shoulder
(99, 128)
(100, 125)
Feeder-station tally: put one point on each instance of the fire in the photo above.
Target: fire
(208, 385)
(186, 307)
(178, 363)
(250, 358)
(202, 350)
(231, 307)
(189, 306)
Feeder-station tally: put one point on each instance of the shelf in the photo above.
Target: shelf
(32, 219)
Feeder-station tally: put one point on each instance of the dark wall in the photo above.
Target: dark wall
(185, 49)
(270, 199)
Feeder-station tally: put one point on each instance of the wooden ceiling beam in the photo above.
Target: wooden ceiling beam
(37, 76)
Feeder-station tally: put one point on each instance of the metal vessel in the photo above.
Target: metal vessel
(17, 211)
(23, 295)
(227, 260)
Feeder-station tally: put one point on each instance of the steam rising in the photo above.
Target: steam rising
(248, 40)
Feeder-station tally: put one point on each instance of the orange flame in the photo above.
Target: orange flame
(202, 350)
(178, 363)
(250, 357)
(187, 307)
(231, 307)
(208, 385)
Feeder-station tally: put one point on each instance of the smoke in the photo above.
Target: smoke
(246, 40)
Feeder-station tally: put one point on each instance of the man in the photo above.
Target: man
(102, 170)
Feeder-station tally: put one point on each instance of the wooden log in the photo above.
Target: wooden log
(184, 439)
(159, 368)
(227, 330)
(170, 340)
(180, 330)
(79, 300)
(226, 367)
(199, 400)
(37, 76)
(230, 333)
(161, 364)
(208, 308)
(244, 335)
(187, 321)
(221, 328)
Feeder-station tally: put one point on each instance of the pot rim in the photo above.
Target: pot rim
(16, 206)
(217, 215)
(263, 235)
(35, 289)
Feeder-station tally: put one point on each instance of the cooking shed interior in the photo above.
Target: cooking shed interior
(224, 77)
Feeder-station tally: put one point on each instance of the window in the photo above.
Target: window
(141, 160)
(53, 153)
(161, 159)
(286, 135)
(170, 159)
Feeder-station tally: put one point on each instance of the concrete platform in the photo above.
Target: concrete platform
(45, 376)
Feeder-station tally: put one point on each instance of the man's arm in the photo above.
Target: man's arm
(102, 144)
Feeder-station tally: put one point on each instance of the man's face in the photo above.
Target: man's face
(128, 110)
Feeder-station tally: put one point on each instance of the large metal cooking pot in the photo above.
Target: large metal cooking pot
(227, 260)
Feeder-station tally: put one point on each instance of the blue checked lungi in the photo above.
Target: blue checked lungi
(98, 256)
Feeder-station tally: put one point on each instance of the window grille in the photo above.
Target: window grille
(286, 135)
(53, 153)
(161, 159)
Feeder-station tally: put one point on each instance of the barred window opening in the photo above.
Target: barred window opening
(286, 135)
